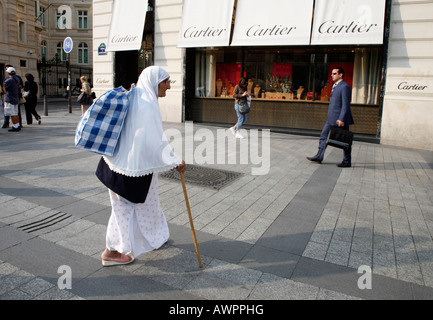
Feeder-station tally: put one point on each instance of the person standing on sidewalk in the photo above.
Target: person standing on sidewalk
(20, 86)
(87, 91)
(12, 97)
(239, 93)
(339, 113)
(137, 223)
(31, 99)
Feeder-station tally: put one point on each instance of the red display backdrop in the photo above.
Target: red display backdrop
(282, 70)
(348, 72)
(228, 73)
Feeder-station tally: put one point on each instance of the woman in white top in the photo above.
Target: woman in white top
(85, 88)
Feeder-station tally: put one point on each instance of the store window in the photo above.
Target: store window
(288, 73)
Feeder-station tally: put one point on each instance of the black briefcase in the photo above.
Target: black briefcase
(339, 138)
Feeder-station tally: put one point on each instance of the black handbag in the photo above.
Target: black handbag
(339, 138)
(244, 107)
(82, 97)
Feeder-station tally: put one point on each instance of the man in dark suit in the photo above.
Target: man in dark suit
(339, 113)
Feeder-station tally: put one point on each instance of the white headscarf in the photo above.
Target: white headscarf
(142, 147)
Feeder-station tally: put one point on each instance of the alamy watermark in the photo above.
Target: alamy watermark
(205, 147)
(365, 281)
(65, 280)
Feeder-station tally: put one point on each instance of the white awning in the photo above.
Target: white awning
(348, 22)
(206, 23)
(127, 25)
(272, 22)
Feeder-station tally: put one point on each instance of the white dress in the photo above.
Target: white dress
(137, 228)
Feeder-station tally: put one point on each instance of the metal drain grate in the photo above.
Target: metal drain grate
(204, 177)
(45, 223)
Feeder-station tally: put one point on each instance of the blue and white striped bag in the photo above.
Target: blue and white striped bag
(100, 127)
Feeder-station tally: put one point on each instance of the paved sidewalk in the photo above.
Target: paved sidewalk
(301, 231)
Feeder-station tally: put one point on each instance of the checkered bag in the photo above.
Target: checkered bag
(100, 127)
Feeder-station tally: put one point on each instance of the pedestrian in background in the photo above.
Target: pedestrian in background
(20, 86)
(239, 93)
(86, 91)
(12, 97)
(1, 97)
(339, 114)
(31, 96)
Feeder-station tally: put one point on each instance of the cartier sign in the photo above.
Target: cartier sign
(419, 86)
(273, 22)
(195, 32)
(407, 86)
(348, 22)
(257, 30)
(353, 27)
(206, 23)
(118, 38)
(127, 23)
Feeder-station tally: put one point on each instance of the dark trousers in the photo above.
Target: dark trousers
(347, 158)
(31, 110)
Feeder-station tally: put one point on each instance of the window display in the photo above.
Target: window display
(288, 73)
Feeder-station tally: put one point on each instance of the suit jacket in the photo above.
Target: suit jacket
(339, 105)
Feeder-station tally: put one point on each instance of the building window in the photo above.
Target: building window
(42, 16)
(43, 50)
(21, 31)
(83, 53)
(288, 73)
(36, 8)
(82, 19)
(61, 54)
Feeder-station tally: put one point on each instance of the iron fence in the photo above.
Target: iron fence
(53, 77)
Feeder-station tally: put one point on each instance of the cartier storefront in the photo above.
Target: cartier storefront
(286, 51)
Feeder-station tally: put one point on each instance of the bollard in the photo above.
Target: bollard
(45, 105)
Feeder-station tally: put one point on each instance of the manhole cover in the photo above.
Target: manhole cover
(204, 177)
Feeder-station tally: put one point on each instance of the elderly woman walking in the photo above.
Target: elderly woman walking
(137, 224)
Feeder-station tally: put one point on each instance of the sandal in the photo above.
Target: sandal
(124, 259)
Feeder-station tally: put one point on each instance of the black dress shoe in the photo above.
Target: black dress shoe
(315, 159)
(13, 129)
(344, 165)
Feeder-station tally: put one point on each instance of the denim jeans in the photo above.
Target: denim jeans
(242, 118)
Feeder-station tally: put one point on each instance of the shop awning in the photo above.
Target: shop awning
(272, 22)
(206, 23)
(348, 22)
(127, 24)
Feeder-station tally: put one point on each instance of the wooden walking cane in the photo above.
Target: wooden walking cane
(190, 219)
